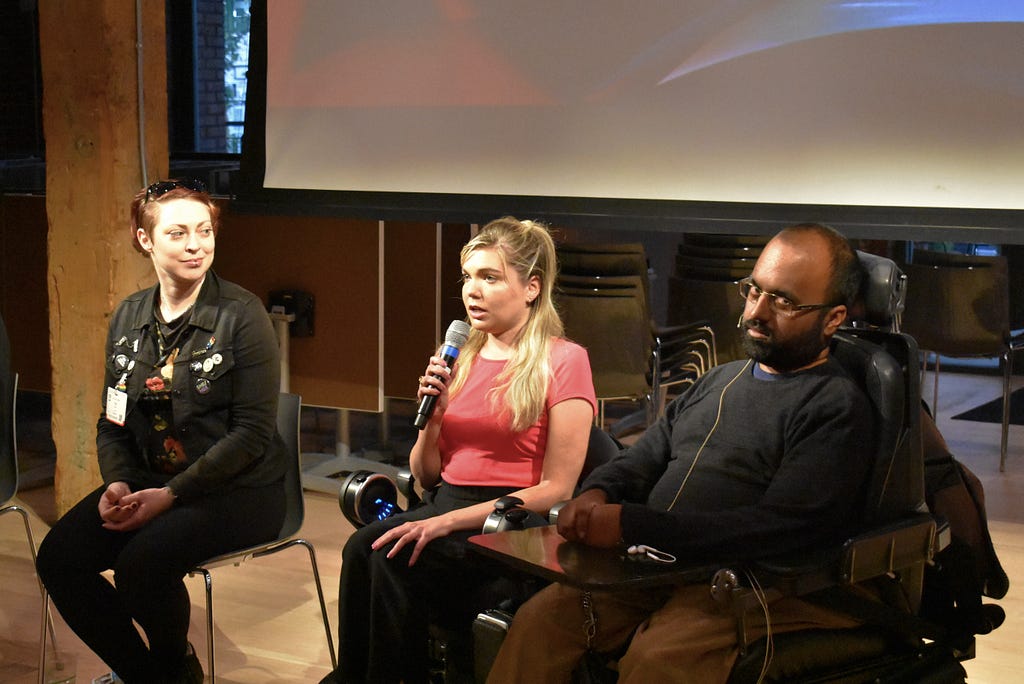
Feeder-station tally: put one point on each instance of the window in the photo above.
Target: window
(236, 67)
(207, 68)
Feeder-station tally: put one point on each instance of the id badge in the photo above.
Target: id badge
(117, 405)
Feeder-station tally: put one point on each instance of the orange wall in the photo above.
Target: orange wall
(24, 302)
(337, 261)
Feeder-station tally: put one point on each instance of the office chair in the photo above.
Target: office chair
(288, 411)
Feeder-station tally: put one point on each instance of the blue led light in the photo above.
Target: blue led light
(384, 509)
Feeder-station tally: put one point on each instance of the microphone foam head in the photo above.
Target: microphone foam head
(458, 333)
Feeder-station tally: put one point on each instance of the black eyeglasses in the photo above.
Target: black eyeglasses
(778, 303)
(161, 188)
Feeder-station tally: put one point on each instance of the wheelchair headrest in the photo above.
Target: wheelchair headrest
(882, 294)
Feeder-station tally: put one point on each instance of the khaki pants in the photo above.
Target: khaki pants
(681, 634)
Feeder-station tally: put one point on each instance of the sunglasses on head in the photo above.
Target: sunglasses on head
(161, 188)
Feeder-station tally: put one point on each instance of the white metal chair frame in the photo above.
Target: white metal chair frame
(288, 426)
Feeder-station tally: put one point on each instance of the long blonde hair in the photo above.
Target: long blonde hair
(525, 247)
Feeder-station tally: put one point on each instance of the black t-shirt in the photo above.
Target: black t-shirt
(164, 451)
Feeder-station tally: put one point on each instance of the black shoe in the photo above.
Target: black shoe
(331, 678)
(191, 671)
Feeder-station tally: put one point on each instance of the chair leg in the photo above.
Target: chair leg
(46, 622)
(1007, 375)
(46, 625)
(323, 604)
(319, 590)
(42, 590)
(935, 381)
(209, 623)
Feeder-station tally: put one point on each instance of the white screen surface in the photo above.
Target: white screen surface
(786, 101)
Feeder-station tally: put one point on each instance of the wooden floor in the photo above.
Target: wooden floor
(268, 626)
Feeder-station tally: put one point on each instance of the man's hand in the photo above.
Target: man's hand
(590, 519)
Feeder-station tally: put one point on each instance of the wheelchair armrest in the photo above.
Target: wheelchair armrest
(406, 484)
(902, 544)
(554, 510)
(899, 548)
(892, 548)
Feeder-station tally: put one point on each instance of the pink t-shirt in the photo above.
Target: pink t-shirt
(479, 448)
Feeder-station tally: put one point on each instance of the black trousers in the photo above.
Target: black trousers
(385, 606)
(149, 566)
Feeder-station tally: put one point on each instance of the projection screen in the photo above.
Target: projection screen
(892, 103)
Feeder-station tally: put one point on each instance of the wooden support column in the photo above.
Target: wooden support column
(93, 168)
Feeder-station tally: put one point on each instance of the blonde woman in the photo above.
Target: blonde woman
(512, 417)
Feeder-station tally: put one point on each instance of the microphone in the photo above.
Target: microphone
(739, 322)
(456, 336)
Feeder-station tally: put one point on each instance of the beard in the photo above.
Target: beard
(788, 355)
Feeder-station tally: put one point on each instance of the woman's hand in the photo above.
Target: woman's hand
(418, 532)
(134, 510)
(436, 386)
(110, 507)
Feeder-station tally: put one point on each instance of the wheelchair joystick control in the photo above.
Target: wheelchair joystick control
(508, 514)
(507, 503)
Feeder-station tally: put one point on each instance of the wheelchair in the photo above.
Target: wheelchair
(899, 540)
(463, 652)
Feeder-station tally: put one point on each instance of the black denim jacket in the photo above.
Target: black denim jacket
(224, 413)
